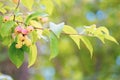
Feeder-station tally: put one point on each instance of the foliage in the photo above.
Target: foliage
(23, 32)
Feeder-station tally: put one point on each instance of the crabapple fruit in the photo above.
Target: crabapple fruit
(21, 37)
(24, 31)
(18, 45)
(18, 29)
(6, 18)
(43, 19)
(30, 28)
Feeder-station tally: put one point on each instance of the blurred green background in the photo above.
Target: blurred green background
(72, 63)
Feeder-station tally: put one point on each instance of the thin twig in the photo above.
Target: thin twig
(63, 32)
(15, 10)
(17, 5)
(20, 22)
(74, 34)
(70, 34)
(39, 28)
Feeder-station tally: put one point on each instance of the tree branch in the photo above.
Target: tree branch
(20, 22)
(15, 10)
(63, 32)
(50, 30)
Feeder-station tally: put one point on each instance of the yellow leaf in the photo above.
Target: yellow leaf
(76, 38)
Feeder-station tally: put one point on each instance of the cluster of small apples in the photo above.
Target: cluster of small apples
(21, 35)
(6, 18)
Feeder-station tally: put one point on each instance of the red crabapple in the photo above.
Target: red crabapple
(24, 31)
(6, 18)
(18, 29)
(30, 28)
(44, 19)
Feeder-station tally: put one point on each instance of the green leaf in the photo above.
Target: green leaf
(76, 38)
(32, 55)
(56, 28)
(58, 2)
(0, 37)
(28, 3)
(90, 29)
(35, 24)
(1, 4)
(7, 40)
(35, 15)
(69, 30)
(1, 20)
(6, 28)
(53, 46)
(25, 48)
(34, 36)
(101, 37)
(99, 34)
(87, 44)
(104, 30)
(108, 37)
(16, 55)
(46, 32)
(48, 4)
(2, 10)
